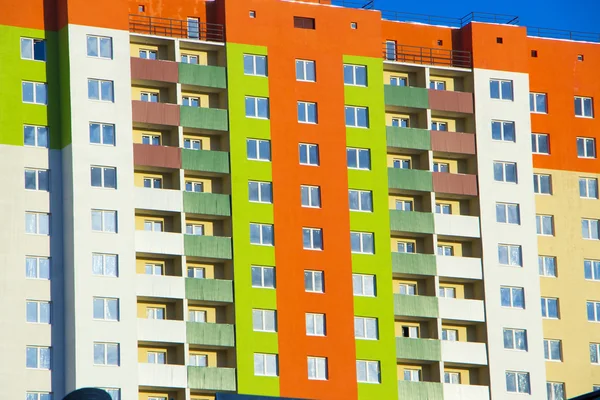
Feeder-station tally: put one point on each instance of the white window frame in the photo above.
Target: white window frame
(404, 204)
(504, 207)
(513, 333)
(261, 234)
(262, 270)
(367, 285)
(154, 269)
(106, 347)
(407, 247)
(256, 100)
(259, 186)
(596, 347)
(513, 293)
(436, 83)
(198, 360)
(452, 378)
(39, 350)
(539, 222)
(310, 196)
(38, 268)
(582, 100)
(31, 56)
(199, 316)
(503, 125)
(445, 250)
(535, 143)
(196, 272)
(98, 83)
(189, 143)
(537, 181)
(548, 354)
(357, 152)
(193, 186)
(593, 234)
(35, 96)
(395, 80)
(106, 301)
(546, 300)
(98, 47)
(516, 377)
(400, 122)
(39, 217)
(317, 368)
(552, 388)
(355, 111)
(101, 127)
(264, 320)
(369, 378)
(313, 234)
(412, 332)
(153, 183)
(194, 229)
(190, 101)
(447, 292)
(151, 139)
(43, 396)
(304, 64)
(361, 324)
(544, 270)
(500, 91)
(256, 144)
(353, 81)
(38, 312)
(266, 358)
(449, 334)
(312, 279)
(596, 305)
(585, 141)
(440, 126)
(359, 194)
(505, 165)
(39, 176)
(254, 58)
(307, 147)
(362, 236)
(315, 324)
(156, 357)
(145, 54)
(413, 374)
(103, 171)
(587, 182)
(533, 103)
(305, 106)
(407, 289)
(38, 131)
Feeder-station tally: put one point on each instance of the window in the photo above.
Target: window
(101, 90)
(192, 144)
(105, 264)
(437, 85)
(252, 14)
(153, 183)
(591, 270)
(547, 266)
(304, 23)
(193, 186)
(36, 179)
(439, 126)
(517, 382)
(501, 89)
(588, 188)
(309, 154)
(315, 324)
(512, 297)
(35, 136)
(35, 92)
(390, 50)
(194, 229)
(260, 192)
(552, 350)
(259, 150)
(105, 177)
(265, 364)
(37, 223)
(355, 75)
(586, 147)
(102, 134)
(196, 316)
(190, 101)
(198, 360)
(98, 46)
(189, 59)
(313, 281)
(353, 25)
(106, 354)
(261, 234)
(542, 184)
(193, 28)
(450, 334)
(317, 368)
(360, 200)
(367, 371)
(445, 250)
(33, 49)
(363, 285)
(443, 208)
(264, 321)
(37, 268)
(305, 71)
(503, 131)
(405, 247)
(358, 158)
(447, 292)
(104, 221)
(452, 377)
(312, 239)
(441, 167)
(595, 353)
(365, 328)
(257, 107)
(38, 357)
(401, 163)
(39, 396)
(148, 54)
(155, 269)
(357, 117)
(549, 307)
(407, 289)
(152, 140)
(310, 196)
(106, 309)
(540, 143)
(255, 65)
(362, 242)
(196, 272)
(307, 112)
(555, 390)
(401, 122)
(155, 313)
(544, 225)
(593, 311)
(589, 229)
(263, 277)
(404, 205)
(412, 375)
(38, 312)
(156, 357)
(538, 103)
(398, 81)
(507, 213)
(584, 107)
(505, 172)
(412, 332)
(515, 339)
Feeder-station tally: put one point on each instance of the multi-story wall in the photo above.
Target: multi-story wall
(295, 199)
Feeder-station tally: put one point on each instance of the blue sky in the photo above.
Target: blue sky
(573, 15)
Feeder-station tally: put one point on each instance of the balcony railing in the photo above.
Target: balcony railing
(427, 55)
(190, 29)
(561, 34)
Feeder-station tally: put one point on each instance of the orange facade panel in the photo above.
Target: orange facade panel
(453, 142)
(459, 184)
(446, 100)
(421, 35)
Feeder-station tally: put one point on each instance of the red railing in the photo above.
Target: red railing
(190, 28)
(426, 55)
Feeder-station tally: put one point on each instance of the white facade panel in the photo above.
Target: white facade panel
(459, 267)
(464, 352)
(461, 309)
(466, 392)
(158, 199)
(172, 287)
(159, 242)
(157, 375)
(168, 331)
(456, 225)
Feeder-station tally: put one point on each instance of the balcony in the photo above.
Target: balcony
(154, 70)
(408, 138)
(459, 267)
(159, 243)
(162, 375)
(415, 306)
(205, 160)
(460, 184)
(464, 352)
(406, 96)
(461, 310)
(466, 392)
(418, 349)
(414, 264)
(453, 142)
(214, 290)
(457, 225)
(207, 246)
(157, 330)
(207, 334)
(158, 199)
(202, 75)
(207, 204)
(214, 119)
(425, 55)
(155, 113)
(410, 179)
(157, 26)
(451, 101)
(420, 390)
(156, 156)
(210, 378)
(411, 221)
(169, 287)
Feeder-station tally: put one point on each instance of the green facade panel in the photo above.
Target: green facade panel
(418, 349)
(202, 75)
(416, 306)
(406, 96)
(411, 221)
(207, 203)
(214, 119)
(420, 390)
(219, 290)
(205, 160)
(410, 179)
(207, 246)
(412, 263)
(408, 138)
(207, 334)
(211, 378)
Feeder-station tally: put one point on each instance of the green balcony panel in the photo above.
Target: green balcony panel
(411, 221)
(219, 290)
(412, 263)
(211, 378)
(416, 306)
(408, 138)
(207, 203)
(207, 334)
(410, 179)
(205, 160)
(214, 119)
(202, 75)
(207, 246)
(418, 349)
(406, 96)
(420, 390)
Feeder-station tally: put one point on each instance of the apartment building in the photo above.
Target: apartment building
(316, 199)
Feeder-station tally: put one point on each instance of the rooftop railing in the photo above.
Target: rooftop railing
(190, 28)
(562, 34)
(449, 21)
(427, 55)
(367, 5)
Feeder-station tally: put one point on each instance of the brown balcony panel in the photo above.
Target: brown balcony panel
(154, 70)
(453, 142)
(156, 156)
(155, 113)
(460, 184)
(446, 100)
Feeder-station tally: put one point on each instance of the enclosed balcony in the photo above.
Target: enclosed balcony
(211, 378)
(418, 349)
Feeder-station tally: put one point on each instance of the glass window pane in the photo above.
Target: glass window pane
(27, 92)
(106, 48)
(494, 89)
(507, 90)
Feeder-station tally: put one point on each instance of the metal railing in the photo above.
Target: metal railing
(367, 5)
(450, 21)
(562, 34)
(191, 29)
(427, 55)
(489, 18)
